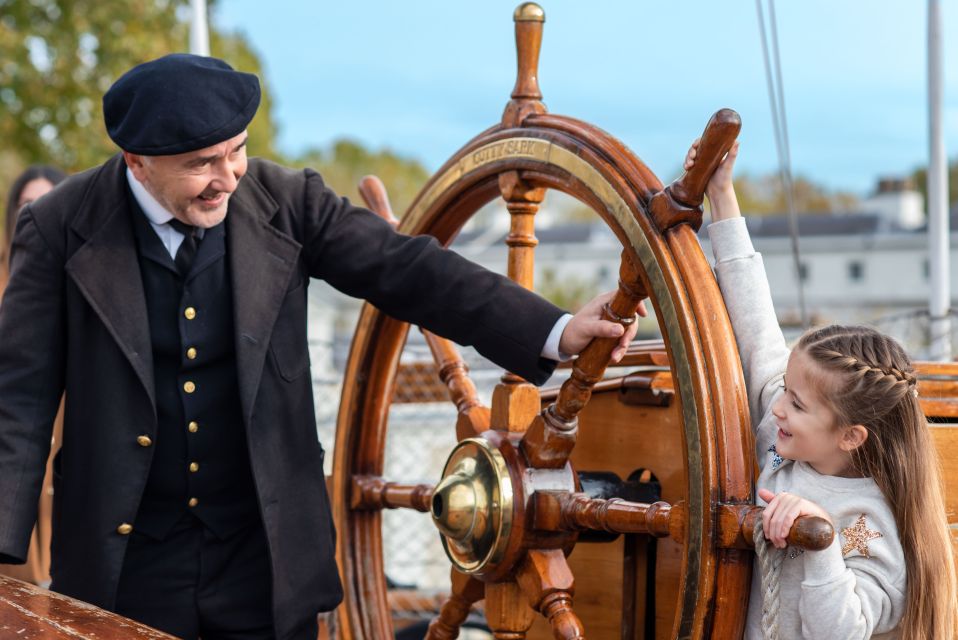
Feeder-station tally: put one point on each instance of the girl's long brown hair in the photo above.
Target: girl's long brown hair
(870, 381)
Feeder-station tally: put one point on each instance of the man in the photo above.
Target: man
(165, 292)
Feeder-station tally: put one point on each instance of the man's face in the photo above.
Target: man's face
(195, 186)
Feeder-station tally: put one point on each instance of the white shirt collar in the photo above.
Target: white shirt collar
(153, 209)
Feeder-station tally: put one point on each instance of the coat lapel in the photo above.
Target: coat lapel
(106, 270)
(262, 260)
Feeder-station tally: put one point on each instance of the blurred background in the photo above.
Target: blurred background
(834, 98)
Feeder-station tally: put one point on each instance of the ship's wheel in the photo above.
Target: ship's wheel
(509, 506)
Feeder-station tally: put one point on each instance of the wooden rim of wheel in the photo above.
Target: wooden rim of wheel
(564, 154)
(530, 151)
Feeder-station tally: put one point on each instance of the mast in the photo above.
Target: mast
(938, 232)
(199, 29)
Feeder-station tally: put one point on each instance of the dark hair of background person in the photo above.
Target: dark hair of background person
(53, 175)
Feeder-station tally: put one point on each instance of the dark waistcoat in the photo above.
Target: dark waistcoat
(200, 462)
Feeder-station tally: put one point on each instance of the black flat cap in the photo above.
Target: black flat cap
(179, 103)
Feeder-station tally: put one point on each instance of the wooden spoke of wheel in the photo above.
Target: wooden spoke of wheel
(466, 591)
(369, 493)
(562, 511)
(551, 438)
(453, 372)
(521, 565)
(547, 581)
(473, 416)
(522, 201)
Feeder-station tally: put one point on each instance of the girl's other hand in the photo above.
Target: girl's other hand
(720, 191)
(782, 510)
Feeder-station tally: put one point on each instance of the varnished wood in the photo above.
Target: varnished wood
(548, 583)
(592, 362)
(641, 353)
(374, 194)
(720, 132)
(681, 202)
(514, 406)
(725, 430)
(555, 511)
(28, 612)
(655, 388)
(808, 532)
(645, 388)
(508, 613)
(473, 417)
(945, 438)
(558, 511)
(513, 396)
(938, 389)
(526, 95)
(453, 371)
(372, 493)
(522, 201)
(466, 591)
(551, 437)
(619, 438)
(473, 191)
(704, 453)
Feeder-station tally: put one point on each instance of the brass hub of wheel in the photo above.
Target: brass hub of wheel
(473, 505)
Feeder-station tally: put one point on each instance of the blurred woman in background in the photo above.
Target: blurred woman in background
(30, 185)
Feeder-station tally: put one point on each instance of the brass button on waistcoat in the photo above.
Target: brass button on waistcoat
(189, 386)
(194, 467)
(189, 313)
(193, 502)
(125, 529)
(193, 426)
(144, 441)
(191, 353)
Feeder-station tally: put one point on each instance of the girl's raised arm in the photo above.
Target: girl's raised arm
(741, 277)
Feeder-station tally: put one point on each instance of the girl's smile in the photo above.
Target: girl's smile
(807, 426)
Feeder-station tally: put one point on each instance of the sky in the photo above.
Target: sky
(422, 77)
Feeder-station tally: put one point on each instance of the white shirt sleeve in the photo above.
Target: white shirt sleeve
(550, 349)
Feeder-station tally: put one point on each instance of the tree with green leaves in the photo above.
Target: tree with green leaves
(347, 161)
(58, 57)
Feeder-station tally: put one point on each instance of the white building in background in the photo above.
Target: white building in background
(897, 204)
(870, 267)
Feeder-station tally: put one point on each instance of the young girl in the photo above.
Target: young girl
(840, 435)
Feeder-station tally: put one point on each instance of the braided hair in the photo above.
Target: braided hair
(867, 379)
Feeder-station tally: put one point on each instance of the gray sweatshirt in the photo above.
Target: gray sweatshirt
(856, 587)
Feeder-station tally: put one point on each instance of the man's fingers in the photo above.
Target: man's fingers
(643, 310)
(606, 329)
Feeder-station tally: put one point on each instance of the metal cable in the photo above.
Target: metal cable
(776, 100)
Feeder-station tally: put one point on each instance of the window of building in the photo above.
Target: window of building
(856, 271)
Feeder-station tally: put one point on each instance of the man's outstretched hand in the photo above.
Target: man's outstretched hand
(588, 324)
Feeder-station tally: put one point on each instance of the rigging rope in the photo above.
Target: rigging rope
(776, 99)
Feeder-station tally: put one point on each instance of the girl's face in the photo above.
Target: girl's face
(807, 427)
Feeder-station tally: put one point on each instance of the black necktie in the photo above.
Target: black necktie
(187, 251)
